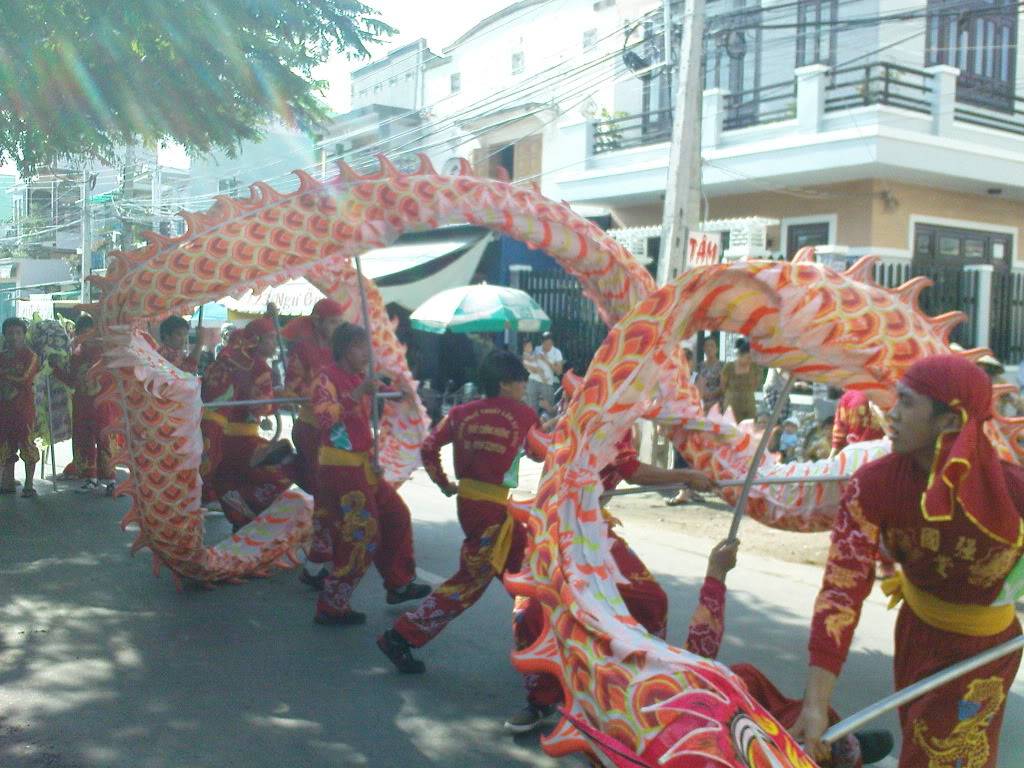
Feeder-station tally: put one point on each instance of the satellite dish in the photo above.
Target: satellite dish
(451, 167)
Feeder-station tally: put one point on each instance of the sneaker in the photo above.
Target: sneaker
(395, 647)
(347, 619)
(414, 590)
(874, 745)
(89, 486)
(316, 582)
(529, 717)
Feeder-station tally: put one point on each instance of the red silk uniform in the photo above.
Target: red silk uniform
(179, 358)
(487, 437)
(231, 435)
(18, 372)
(306, 359)
(949, 567)
(358, 516)
(643, 596)
(854, 422)
(91, 450)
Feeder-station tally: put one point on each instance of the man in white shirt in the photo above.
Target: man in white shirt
(545, 367)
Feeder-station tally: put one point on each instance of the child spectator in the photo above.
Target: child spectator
(18, 368)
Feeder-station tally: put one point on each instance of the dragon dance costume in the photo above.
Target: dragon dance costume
(306, 359)
(487, 438)
(17, 406)
(231, 435)
(957, 532)
(359, 517)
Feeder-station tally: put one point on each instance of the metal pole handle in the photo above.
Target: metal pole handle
(755, 463)
(732, 484)
(921, 687)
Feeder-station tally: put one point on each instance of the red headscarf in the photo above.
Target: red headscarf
(262, 326)
(302, 327)
(966, 468)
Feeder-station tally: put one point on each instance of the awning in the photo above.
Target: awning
(409, 272)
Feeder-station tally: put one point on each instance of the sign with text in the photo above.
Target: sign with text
(704, 249)
(40, 304)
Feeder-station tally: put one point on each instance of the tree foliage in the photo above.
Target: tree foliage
(81, 77)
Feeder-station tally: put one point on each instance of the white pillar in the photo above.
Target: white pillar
(712, 117)
(983, 308)
(810, 96)
(943, 97)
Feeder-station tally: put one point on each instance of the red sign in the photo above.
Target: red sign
(704, 249)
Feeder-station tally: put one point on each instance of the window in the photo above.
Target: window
(517, 63)
(801, 235)
(816, 33)
(978, 37)
(455, 83)
(589, 38)
(600, 5)
(229, 187)
(393, 81)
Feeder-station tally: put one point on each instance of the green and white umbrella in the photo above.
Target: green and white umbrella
(480, 309)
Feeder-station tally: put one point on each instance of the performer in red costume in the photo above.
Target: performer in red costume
(643, 596)
(174, 344)
(18, 368)
(232, 447)
(362, 516)
(487, 437)
(945, 508)
(91, 450)
(310, 354)
(854, 422)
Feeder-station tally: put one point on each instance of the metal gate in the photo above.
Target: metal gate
(954, 289)
(575, 325)
(1007, 334)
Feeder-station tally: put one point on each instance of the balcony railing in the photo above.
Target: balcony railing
(767, 104)
(1011, 120)
(880, 83)
(632, 131)
(926, 92)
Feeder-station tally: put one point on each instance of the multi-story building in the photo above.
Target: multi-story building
(866, 124)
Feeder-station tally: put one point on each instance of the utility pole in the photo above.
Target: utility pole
(681, 213)
(682, 192)
(127, 192)
(86, 263)
(156, 196)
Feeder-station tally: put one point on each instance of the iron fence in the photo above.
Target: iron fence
(575, 325)
(953, 290)
(879, 83)
(1006, 337)
(632, 131)
(892, 274)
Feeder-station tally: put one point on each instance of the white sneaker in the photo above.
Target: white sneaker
(89, 486)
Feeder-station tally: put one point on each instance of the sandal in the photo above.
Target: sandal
(28, 493)
(683, 497)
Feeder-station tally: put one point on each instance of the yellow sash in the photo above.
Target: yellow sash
(962, 619)
(232, 428)
(339, 457)
(477, 490)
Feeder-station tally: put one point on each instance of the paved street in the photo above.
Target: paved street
(101, 665)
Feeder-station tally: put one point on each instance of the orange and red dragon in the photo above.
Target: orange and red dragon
(660, 702)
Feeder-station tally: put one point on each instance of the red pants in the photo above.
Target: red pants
(244, 491)
(306, 439)
(957, 724)
(92, 456)
(358, 521)
(645, 599)
(481, 521)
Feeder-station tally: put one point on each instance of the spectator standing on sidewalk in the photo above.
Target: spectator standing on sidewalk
(545, 368)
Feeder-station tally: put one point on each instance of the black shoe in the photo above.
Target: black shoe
(347, 619)
(874, 745)
(395, 647)
(316, 582)
(529, 717)
(414, 590)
